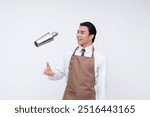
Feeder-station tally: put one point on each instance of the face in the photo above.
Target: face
(83, 37)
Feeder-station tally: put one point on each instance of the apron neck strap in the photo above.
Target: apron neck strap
(75, 50)
(92, 51)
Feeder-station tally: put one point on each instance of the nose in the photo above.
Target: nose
(78, 34)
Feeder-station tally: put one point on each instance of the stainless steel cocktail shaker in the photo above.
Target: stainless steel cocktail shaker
(46, 38)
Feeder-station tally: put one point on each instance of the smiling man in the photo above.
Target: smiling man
(84, 68)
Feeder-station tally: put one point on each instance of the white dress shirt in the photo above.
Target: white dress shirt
(100, 69)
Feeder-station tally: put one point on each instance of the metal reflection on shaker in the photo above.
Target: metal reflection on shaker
(46, 38)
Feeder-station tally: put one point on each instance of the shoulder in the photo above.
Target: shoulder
(99, 55)
(68, 52)
(100, 60)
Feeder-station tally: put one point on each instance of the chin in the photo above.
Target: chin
(80, 44)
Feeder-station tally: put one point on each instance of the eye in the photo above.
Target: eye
(82, 32)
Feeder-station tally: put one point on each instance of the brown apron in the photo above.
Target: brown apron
(81, 78)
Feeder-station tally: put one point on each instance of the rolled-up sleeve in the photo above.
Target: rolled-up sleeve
(59, 70)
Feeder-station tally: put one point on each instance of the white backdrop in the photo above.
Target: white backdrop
(123, 36)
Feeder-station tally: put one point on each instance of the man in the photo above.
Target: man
(84, 68)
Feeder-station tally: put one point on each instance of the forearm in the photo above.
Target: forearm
(57, 75)
(101, 92)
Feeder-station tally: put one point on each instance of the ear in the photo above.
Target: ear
(91, 36)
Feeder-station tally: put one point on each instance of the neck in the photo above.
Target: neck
(85, 46)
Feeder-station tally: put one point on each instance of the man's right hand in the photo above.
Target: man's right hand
(48, 71)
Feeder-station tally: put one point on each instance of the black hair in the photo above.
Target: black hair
(91, 28)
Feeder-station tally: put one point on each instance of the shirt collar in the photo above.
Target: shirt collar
(87, 49)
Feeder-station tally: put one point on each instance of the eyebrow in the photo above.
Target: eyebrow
(80, 31)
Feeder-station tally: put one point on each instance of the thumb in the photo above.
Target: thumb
(47, 64)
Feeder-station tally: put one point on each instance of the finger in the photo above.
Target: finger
(44, 72)
(47, 64)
